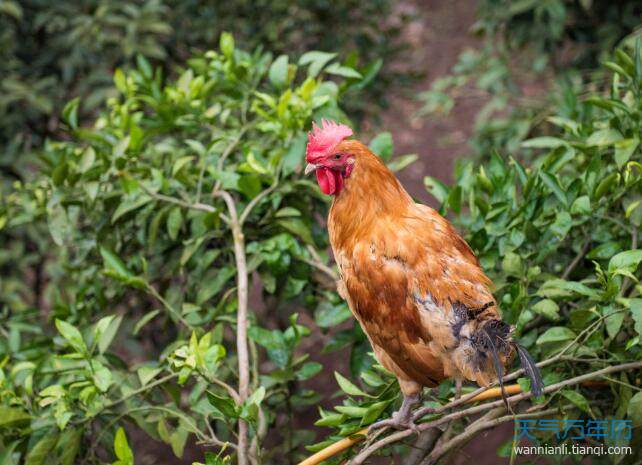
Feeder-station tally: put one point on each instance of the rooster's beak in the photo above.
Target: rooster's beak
(309, 168)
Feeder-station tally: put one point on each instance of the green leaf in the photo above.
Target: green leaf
(635, 306)
(174, 222)
(562, 288)
(382, 145)
(298, 227)
(333, 419)
(347, 386)
(40, 452)
(545, 142)
(562, 224)
(149, 316)
(624, 149)
(551, 182)
(278, 73)
(613, 321)
(101, 376)
(69, 445)
(114, 264)
(11, 9)
(604, 251)
(548, 308)
(578, 400)
(512, 264)
(308, 370)
(226, 44)
(438, 189)
(402, 162)
(121, 448)
(634, 410)
(344, 71)
(177, 440)
(181, 162)
(147, 373)
(70, 113)
(354, 412)
(316, 60)
(225, 405)
(328, 315)
(13, 417)
(374, 412)
(72, 335)
(106, 330)
(581, 205)
(120, 81)
(556, 334)
(627, 261)
(604, 137)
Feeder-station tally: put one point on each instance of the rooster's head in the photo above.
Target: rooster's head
(324, 155)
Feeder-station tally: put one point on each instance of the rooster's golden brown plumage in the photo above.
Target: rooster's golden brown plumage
(413, 283)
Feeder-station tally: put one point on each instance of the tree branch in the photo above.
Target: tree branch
(486, 422)
(398, 436)
(241, 320)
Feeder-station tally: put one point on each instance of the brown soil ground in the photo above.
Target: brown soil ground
(437, 35)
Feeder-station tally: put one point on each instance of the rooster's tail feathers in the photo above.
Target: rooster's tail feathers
(531, 370)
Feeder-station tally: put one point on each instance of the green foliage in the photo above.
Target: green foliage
(51, 52)
(528, 48)
(134, 306)
(557, 227)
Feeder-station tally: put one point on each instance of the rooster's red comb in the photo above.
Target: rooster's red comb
(322, 140)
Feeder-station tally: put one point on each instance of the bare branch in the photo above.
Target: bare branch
(398, 436)
(256, 200)
(181, 203)
(487, 422)
(241, 320)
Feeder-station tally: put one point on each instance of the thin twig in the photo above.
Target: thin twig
(181, 203)
(241, 320)
(248, 209)
(475, 428)
(319, 264)
(578, 258)
(152, 290)
(226, 153)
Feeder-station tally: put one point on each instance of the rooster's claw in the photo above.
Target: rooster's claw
(396, 423)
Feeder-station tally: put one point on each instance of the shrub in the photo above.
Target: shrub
(161, 212)
(556, 226)
(533, 56)
(52, 52)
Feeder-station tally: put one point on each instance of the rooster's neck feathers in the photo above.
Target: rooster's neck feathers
(371, 192)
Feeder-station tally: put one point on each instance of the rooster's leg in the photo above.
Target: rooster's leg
(457, 388)
(402, 418)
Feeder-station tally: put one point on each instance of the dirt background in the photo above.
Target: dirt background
(439, 32)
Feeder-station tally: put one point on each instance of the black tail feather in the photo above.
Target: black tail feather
(499, 367)
(531, 370)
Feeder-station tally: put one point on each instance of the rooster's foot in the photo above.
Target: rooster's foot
(402, 418)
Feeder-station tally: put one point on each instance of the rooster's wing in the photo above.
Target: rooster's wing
(418, 291)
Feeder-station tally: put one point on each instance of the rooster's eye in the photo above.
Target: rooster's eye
(337, 156)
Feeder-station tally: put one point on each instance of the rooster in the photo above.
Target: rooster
(412, 282)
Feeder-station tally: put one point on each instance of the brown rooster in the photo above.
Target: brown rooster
(413, 283)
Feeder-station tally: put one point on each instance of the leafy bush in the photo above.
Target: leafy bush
(558, 233)
(534, 54)
(52, 52)
(131, 253)
(160, 213)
